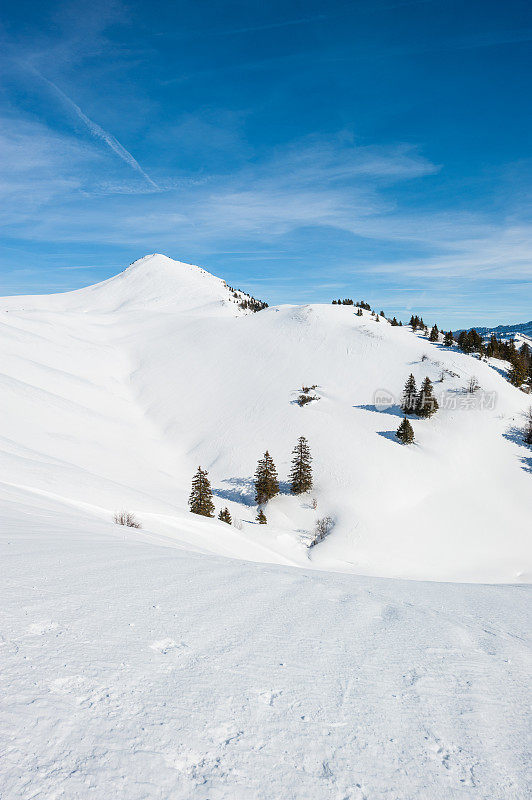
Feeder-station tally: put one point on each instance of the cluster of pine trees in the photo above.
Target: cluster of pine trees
(422, 403)
(470, 342)
(200, 500)
(416, 323)
(266, 483)
(247, 302)
(348, 302)
(252, 304)
(520, 359)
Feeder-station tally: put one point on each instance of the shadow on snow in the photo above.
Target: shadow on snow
(515, 435)
(393, 411)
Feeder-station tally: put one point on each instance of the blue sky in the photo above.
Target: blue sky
(301, 150)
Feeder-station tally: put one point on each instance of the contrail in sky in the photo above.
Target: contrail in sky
(98, 132)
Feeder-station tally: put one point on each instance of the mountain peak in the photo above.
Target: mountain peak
(153, 282)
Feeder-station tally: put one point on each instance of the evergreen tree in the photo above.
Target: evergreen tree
(200, 500)
(405, 432)
(518, 372)
(266, 482)
(434, 334)
(426, 402)
(492, 349)
(408, 406)
(225, 516)
(261, 517)
(448, 340)
(394, 322)
(301, 473)
(470, 341)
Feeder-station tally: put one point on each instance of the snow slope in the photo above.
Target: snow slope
(136, 671)
(112, 395)
(174, 662)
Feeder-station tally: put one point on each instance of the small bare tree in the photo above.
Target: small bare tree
(127, 519)
(472, 385)
(314, 503)
(527, 432)
(322, 529)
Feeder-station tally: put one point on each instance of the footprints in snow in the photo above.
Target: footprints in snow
(165, 646)
(40, 628)
(269, 698)
(83, 691)
(453, 758)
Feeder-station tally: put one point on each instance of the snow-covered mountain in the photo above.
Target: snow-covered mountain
(146, 664)
(111, 396)
(522, 331)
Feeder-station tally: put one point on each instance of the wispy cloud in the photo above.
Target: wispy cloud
(97, 131)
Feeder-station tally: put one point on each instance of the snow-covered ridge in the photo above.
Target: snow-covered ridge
(154, 282)
(111, 396)
(522, 331)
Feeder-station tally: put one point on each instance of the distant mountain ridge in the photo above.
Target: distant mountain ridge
(504, 331)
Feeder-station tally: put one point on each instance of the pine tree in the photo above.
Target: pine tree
(301, 473)
(200, 500)
(518, 373)
(266, 482)
(434, 334)
(527, 433)
(261, 517)
(405, 432)
(448, 340)
(426, 402)
(408, 406)
(225, 516)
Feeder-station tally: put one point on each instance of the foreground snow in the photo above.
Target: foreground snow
(135, 670)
